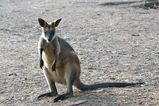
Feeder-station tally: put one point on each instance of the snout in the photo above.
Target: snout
(49, 39)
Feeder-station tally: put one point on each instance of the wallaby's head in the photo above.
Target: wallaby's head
(48, 29)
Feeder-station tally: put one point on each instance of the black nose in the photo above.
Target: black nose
(49, 40)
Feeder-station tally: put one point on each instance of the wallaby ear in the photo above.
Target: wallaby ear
(42, 22)
(57, 22)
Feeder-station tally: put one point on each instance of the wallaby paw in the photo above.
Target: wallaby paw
(41, 63)
(54, 67)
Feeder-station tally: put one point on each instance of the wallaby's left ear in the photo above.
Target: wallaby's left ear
(57, 22)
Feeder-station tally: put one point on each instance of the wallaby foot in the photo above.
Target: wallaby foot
(63, 97)
(48, 94)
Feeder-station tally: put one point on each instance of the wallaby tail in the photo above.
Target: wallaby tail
(85, 87)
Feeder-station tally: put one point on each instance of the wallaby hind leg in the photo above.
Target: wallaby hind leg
(70, 78)
(51, 84)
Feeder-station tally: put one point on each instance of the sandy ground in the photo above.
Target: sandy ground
(115, 42)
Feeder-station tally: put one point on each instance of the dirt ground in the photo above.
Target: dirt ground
(114, 41)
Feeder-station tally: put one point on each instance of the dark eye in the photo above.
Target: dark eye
(45, 30)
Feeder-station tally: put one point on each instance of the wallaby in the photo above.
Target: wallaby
(66, 68)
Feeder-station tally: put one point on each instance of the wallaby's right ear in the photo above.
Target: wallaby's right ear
(42, 22)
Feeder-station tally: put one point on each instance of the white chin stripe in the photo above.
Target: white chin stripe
(44, 37)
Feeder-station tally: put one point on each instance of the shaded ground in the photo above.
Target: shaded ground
(114, 43)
